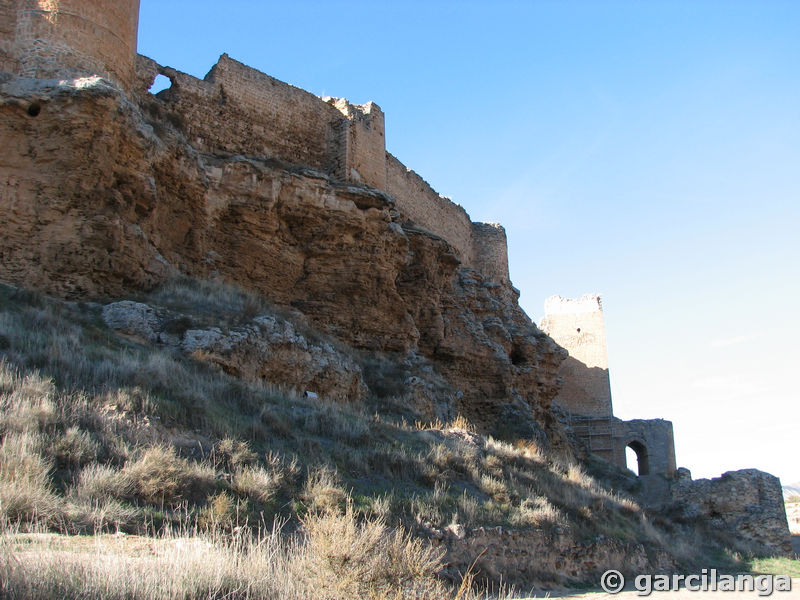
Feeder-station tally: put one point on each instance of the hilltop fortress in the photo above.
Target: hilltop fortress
(240, 110)
(106, 189)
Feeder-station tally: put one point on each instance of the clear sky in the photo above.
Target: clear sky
(647, 151)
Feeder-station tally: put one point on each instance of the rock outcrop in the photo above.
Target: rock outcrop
(527, 556)
(101, 196)
(748, 503)
(268, 348)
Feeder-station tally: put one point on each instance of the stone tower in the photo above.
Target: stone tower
(578, 326)
(585, 394)
(69, 38)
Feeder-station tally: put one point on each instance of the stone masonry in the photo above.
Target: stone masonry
(748, 503)
(236, 113)
(237, 109)
(585, 395)
(68, 38)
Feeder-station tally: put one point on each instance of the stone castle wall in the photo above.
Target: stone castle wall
(490, 250)
(652, 439)
(240, 110)
(364, 147)
(423, 205)
(68, 38)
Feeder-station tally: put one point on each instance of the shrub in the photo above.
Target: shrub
(161, 477)
(75, 448)
(234, 454)
(26, 496)
(257, 483)
(323, 494)
(101, 483)
(368, 559)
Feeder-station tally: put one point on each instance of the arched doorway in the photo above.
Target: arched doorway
(636, 452)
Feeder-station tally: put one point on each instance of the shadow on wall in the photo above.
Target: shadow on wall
(585, 391)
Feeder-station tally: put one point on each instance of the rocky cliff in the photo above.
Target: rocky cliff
(103, 195)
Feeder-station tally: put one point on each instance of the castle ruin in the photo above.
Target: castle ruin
(238, 111)
(585, 395)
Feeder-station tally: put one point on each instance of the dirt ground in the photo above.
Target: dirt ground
(683, 594)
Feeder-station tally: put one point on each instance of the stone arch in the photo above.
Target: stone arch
(642, 457)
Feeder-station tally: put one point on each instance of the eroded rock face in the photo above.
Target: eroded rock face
(748, 503)
(524, 557)
(101, 196)
(268, 348)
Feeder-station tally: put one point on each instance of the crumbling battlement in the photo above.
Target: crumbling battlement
(239, 110)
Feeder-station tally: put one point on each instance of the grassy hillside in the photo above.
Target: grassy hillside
(103, 433)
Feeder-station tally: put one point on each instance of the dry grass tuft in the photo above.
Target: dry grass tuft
(26, 494)
(337, 557)
(161, 477)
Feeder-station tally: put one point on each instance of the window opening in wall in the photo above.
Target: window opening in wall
(636, 458)
(160, 83)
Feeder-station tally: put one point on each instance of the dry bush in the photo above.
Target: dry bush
(323, 493)
(75, 448)
(234, 454)
(161, 477)
(26, 495)
(537, 511)
(100, 483)
(340, 423)
(26, 401)
(95, 516)
(369, 560)
(258, 483)
(224, 512)
(337, 559)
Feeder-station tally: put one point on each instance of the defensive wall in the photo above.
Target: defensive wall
(68, 38)
(238, 109)
(577, 324)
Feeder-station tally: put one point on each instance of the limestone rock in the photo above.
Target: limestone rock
(133, 318)
(127, 201)
(271, 350)
(747, 502)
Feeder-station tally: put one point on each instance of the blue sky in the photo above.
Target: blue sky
(648, 151)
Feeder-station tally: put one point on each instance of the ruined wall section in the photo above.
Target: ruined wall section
(240, 110)
(364, 146)
(417, 200)
(748, 503)
(294, 124)
(481, 246)
(69, 38)
(578, 326)
(654, 436)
